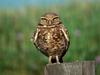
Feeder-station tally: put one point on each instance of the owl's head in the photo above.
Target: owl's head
(49, 19)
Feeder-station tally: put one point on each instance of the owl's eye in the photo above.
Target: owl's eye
(43, 22)
(56, 21)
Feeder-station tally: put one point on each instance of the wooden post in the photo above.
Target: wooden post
(74, 68)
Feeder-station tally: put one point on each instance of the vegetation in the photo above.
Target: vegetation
(18, 56)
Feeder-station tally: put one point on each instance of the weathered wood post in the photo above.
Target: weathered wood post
(74, 68)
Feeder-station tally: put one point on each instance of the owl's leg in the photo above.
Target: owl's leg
(50, 57)
(64, 32)
(57, 59)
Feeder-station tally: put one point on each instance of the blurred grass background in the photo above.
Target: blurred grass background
(18, 56)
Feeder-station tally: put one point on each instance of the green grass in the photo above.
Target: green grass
(18, 56)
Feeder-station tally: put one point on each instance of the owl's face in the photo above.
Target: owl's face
(49, 19)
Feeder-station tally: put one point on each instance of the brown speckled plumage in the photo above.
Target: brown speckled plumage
(51, 38)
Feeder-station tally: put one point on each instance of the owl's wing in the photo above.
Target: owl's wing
(66, 35)
(34, 40)
(34, 37)
(65, 32)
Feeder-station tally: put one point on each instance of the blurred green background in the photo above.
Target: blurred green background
(18, 56)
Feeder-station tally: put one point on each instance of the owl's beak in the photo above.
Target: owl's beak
(49, 22)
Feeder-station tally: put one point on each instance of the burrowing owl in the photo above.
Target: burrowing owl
(51, 38)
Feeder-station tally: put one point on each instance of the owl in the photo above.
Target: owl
(51, 38)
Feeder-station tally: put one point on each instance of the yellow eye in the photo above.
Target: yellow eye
(43, 22)
(56, 21)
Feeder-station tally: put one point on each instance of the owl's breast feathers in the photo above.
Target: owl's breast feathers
(51, 41)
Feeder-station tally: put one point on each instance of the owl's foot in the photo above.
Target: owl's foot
(57, 60)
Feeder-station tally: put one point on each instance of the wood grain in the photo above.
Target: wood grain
(74, 68)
